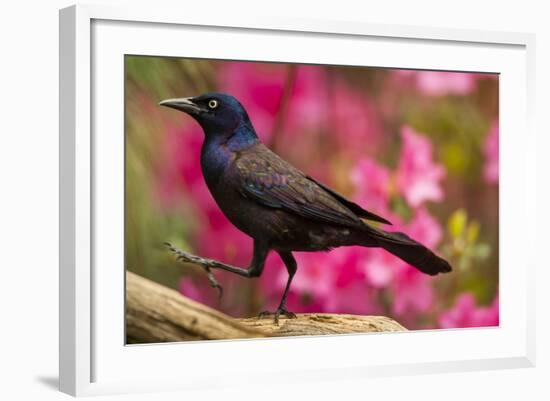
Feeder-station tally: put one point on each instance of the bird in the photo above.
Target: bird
(280, 207)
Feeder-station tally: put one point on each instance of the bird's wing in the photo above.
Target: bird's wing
(354, 207)
(271, 181)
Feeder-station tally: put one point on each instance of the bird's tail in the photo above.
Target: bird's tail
(411, 251)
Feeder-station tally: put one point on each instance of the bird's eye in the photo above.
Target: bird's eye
(212, 104)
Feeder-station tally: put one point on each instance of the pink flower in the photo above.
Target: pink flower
(353, 119)
(490, 169)
(314, 105)
(316, 276)
(262, 88)
(333, 282)
(259, 87)
(418, 177)
(424, 228)
(299, 121)
(312, 286)
(355, 298)
(180, 166)
(442, 83)
(380, 267)
(372, 185)
(345, 279)
(306, 108)
(412, 289)
(439, 83)
(465, 313)
(219, 239)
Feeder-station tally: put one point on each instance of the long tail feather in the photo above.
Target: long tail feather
(412, 252)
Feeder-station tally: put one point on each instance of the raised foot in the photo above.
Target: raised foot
(276, 314)
(182, 256)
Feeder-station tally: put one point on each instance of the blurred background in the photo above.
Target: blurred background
(417, 147)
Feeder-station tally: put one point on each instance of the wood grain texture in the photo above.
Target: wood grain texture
(312, 324)
(155, 313)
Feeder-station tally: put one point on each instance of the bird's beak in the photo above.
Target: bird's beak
(184, 104)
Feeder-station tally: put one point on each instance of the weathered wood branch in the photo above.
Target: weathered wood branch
(155, 313)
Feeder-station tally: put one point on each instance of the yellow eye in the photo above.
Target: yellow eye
(212, 103)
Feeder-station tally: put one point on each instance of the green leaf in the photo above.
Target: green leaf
(457, 223)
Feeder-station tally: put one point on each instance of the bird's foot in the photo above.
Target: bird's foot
(182, 256)
(214, 283)
(280, 311)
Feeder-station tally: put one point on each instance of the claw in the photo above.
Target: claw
(182, 258)
(214, 283)
(280, 311)
(288, 314)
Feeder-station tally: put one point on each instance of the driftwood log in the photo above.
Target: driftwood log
(155, 313)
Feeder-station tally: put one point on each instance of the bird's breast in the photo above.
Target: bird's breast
(215, 161)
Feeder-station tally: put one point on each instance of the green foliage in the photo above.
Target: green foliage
(464, 247)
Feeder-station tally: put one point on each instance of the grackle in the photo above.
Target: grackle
(279, 206)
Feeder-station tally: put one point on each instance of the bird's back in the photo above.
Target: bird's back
(273, 182)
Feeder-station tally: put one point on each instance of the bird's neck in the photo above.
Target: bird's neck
(218, 150)
(235, 140)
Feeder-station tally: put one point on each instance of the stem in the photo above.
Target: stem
(280, 119)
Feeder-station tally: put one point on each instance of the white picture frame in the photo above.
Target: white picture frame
(93, 357)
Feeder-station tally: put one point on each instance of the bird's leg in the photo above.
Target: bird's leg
(254, 270)
(291, 267)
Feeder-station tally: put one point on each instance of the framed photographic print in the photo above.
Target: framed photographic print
(238, 194)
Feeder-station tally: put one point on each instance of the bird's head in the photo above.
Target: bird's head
(217, 113)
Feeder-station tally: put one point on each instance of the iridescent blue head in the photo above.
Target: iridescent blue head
(220, 115)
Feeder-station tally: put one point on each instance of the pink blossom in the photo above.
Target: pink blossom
(439, 83)
(298, 302)
(313, 104)
(346, 277)
(333, 282)
(259, 87)
(348, 262)
(380, 267)
(355, 298)
(353, 119)
(219, 239)
(180, 167)
(306, 108)
(465, 313)
(316, 275)
(491, 168)
(299, 121)
(412, 289)
(424, 228)
(372, 185)
(418, 177)
(312, 286)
